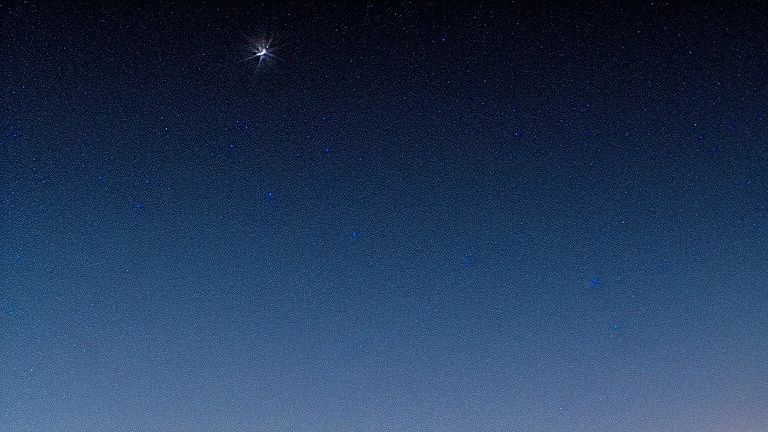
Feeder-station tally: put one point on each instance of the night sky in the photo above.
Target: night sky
(383, 217)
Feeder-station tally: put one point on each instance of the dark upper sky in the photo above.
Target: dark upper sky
(407, 218)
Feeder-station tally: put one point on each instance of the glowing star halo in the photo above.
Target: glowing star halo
(261, 50)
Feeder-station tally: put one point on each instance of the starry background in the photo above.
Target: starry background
(416, 218)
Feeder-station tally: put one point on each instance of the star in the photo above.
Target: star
(260, 50)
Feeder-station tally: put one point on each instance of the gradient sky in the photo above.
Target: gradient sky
(411, 218)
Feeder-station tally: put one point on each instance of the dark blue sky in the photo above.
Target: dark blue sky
(411, 218)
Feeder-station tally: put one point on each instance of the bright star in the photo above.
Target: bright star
(261, 50)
